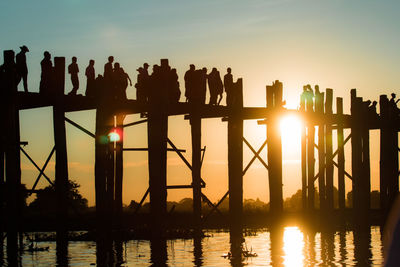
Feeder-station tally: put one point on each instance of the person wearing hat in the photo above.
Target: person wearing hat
(22, 69)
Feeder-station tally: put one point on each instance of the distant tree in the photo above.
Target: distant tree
(46, 199)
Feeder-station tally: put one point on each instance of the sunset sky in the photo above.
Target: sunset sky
(336, 44)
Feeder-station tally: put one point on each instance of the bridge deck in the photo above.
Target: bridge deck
(81, 103)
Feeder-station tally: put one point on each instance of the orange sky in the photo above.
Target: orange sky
(336, 44)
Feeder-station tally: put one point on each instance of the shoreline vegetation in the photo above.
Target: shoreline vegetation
(41, 216)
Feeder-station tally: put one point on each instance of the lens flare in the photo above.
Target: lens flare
(114, 137)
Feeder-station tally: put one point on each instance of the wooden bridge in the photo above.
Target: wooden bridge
(315, 112)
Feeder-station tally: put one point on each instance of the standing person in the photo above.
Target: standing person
(108, 68)
(215, 86)
(203, 85)
(47, 73)
(90, 79)
(120, 79)
(189, 81)
(228, 84)
(139, 85)
(73, 70)
(22, 69)
(174, 92)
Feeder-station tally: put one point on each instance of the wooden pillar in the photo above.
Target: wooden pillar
(365, 182)
(384, 166)
(195, 123)
(329, 152)
(235, 157)
(157, 133)
(319, 110)
(100, 167)
(310, 155)
(356, 153)
(274, 104)
(12, 154)
(303, 157)
(389, 161)
(60, 142)
(341, 168)
(119, 170)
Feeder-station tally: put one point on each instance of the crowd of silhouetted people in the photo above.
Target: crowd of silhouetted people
(161, 83)
(370, 108)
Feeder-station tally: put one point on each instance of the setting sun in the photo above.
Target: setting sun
(290, 128)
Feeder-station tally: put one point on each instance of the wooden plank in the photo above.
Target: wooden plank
(329, 153)
(341, 159)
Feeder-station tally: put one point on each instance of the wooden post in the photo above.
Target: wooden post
(384, 166)
(12, 154)
(100, 167)
(329, 152)
(340, 141)
(303, 156)
(157, 133)
(235, 157)
(310, 155)
(365, 181)
(195, 123)
(274, 104)
(60, 142)
(119, 170)
(389, 181)
(319, 109)
(356, 153)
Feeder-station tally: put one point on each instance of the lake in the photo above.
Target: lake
(284, 246)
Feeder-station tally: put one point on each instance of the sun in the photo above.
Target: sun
(290, 129)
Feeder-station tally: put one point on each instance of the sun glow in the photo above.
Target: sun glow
(293, 245)
(290, 128)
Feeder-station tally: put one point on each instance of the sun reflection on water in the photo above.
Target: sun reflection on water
(293, 245)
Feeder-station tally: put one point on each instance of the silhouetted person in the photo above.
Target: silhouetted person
(154, 84)
(22, 68)
(108, 69)
(203, 85)
(47, 74)
(140, 96)
(393, 105)
(146, 68)
(228, 84)
(100, 88)
(120, 79)
(372, 108)
(215, 86)
(174, 93)
(73, 70)
(8, 75)
(189, 82)
(90, 79)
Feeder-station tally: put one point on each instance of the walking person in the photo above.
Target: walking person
(73, 70)
(22, 69)
(47, 74)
